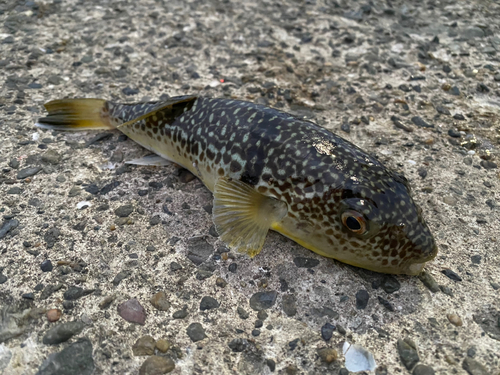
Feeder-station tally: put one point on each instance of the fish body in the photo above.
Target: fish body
(270, 170)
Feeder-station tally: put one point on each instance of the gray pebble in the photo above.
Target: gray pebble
(196, 332)
(386, 303)
(199, 250)
(62, 332)
(429, 281)
(289, 304)
(28, 172)
(474, 367)
(263, 300)
(51, 157)
(155, 220)
(408, 353)
(124, 211)
(73, 293)
(419, 121)
(208, 303)
(327, 331)
(46, 266)
(180, 314)
(122, 275)
(262, 315)
(362, 298)
(15, 190)
(74, 359)
(488, 164)
(390, 284)
(238, 345)
(8, 226)
(423, 370)
(243, 314)
(74, 191)
(302, 262)
(14, 163)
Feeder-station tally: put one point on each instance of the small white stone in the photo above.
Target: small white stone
(412, 162)
(83, 204)
(358, 358)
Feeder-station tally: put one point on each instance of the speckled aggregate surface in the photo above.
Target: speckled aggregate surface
(415, 85)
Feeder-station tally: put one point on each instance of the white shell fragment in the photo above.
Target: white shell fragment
(83, 204)
(358, 358)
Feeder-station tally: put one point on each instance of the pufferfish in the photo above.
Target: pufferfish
(268, 169)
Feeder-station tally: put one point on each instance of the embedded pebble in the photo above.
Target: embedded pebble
(385, 303)
(156, 365)
(451, 274)
(124, 211)
(208, 303)
(242, 313)
(362, 298)
(455, 320)
(144, 345)
(429, 281)
(62, 332)
(474, 367)
(423, 370)
(196, 332)
(160, 301)
(132, 311)
(289, 304)
(305, 262)
(163, 345)
(220, 282)
(53, 315)
(46, 266)
(238, 345)
(408, 353)
(28, 172)
(327, 331)
(263, 300)
(390, 284)
(74, 359)
(327, 355)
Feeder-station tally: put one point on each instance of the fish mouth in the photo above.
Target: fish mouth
(414, 269)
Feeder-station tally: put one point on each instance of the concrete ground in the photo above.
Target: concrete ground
(83, 235)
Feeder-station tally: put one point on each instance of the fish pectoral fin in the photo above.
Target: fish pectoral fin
(151, 159)
(243, 216)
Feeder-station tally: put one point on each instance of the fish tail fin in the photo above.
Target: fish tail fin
(76, 114)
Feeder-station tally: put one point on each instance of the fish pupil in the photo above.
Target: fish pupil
(352, 223)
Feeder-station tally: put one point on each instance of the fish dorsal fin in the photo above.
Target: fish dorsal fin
(151, 159)
(170, 109)
(243, 216)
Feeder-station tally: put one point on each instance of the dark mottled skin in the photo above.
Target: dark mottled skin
(317, 173)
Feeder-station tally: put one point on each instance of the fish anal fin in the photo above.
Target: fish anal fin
(243, 216)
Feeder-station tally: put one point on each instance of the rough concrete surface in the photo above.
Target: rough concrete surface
(415, 83)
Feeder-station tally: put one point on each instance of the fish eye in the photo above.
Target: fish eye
(354, 221)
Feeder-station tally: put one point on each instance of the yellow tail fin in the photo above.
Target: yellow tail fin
(75, 114)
